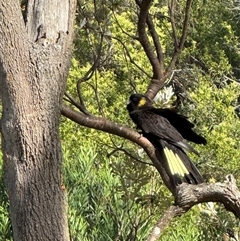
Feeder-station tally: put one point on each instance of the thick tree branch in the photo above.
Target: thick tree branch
(185, 24)
(163, 222)
(105, 125)
(156, 42)
(187, 196)
(178, 44)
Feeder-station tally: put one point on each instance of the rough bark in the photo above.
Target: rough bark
(34, 62)
(189, 195)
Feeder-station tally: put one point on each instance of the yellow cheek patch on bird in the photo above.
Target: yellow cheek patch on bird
(176, 166)
(142, 102)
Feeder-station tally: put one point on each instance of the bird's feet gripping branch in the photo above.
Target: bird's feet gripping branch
(168, 132)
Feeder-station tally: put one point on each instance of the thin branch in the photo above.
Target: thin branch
(130, 58)
(143, 38)
(128, 154)
(95, 90)
(155, 39)
(156, 42)
(173, 73)
(123, 31)
(183, 37)
(134, 227)
(185, 24)
(88, 75)
(172, 9)
(72, 101)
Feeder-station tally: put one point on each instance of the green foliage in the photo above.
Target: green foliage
(214, 38)
(98, 208)
(185, 228)
(213, 107)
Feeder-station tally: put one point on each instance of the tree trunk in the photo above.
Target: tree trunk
(34, 63)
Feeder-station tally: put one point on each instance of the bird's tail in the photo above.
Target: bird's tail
(179, 166)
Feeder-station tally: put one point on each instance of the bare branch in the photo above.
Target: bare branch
(123, 31)
(143, 38)
(187, 196)
(88, 75)
(71, 100)
(156, 42)
(130, 58)
(172, 9)
(183, 37)
(226, 193)
(162, 224)
(108, 126)
(185, 24)
(128, 154)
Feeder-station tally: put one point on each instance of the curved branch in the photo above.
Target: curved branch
(226, 193)
(187, 196)
(108, 126)
(88, 75)
(123, 31)
(128, 154)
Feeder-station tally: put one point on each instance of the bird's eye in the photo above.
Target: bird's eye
(135, 99)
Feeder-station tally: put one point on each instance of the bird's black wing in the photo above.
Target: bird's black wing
(160, 127)
(182, 124)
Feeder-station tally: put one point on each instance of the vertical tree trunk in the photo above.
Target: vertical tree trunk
(34, 62)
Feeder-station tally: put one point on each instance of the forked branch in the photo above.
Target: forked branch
(178, 44)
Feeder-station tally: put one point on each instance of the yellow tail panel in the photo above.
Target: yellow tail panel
(175, 164)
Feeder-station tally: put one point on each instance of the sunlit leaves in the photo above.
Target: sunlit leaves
(98, 209)
(213, 106)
